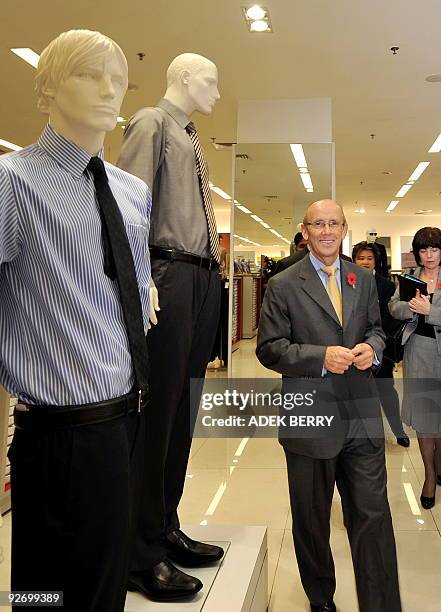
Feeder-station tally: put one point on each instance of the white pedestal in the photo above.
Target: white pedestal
(238, 583)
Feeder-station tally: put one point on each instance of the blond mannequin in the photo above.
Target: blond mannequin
(65, 346)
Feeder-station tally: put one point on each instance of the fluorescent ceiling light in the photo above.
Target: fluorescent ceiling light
(244, 209)
(418, 171)
(306, 180)
(120, 119)
(28, 55)
(299, 156)
(310, 190)
(402, 192)
(276, 233)
(255, 12)
(10, 145)
(259, 26)
(285, 240)
(256, 218)
(436, 147)
(392, 205)
(220, 192)
(265, 225)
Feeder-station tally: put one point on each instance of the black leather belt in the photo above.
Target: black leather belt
(32, 416)
(172, 255)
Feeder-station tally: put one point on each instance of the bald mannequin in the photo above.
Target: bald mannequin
(159, 147)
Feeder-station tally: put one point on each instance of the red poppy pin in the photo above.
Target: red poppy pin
(439, 285)
(352, 279)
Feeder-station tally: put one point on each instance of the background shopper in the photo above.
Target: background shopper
(422, 357)
(366, 255)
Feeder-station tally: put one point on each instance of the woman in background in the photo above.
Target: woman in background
(366, 255)
(422, 357)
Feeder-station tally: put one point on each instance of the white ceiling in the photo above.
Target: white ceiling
(318, 48)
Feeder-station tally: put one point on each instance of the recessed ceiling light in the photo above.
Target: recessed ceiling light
(423, 211)
(257, 18)
(27, 54)
(256, 218)
(433, 78)
(255, 12)
(244, 209)
(436, 147)
(10, 145)
(418, 172)
(386, 172)
(220, 192)
(392, 205)
(402, 192)
(299, 156)
(265, 225)
(259, 26)
(306, 180)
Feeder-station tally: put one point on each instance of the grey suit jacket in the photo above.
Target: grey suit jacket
(401, 310)
(298, 323)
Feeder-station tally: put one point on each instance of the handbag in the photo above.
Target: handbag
(394, 343)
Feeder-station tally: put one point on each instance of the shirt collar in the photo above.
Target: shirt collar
(176, 113)
(69, 155)
(318, 265)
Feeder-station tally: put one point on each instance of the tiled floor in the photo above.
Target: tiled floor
(243, 482)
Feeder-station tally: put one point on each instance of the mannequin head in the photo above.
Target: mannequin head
(81, 81)
(192, 83)
(371, 235)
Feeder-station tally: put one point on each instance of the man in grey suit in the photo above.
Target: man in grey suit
(321, 321)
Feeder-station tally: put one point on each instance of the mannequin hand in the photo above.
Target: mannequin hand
(363, 356)
(420, 304)
(338, 359)
(154, 305)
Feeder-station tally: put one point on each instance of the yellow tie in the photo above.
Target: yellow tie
(334, 291)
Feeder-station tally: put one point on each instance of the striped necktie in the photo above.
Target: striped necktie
(202, 171)
(334, 291)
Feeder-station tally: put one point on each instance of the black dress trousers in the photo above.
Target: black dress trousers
(179, 349)
(360, 474)
(74, 500)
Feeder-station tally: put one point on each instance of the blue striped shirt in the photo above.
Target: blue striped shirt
(63, 338)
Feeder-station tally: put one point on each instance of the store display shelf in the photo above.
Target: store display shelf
(238, 584)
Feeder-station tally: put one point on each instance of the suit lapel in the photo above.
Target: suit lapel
(348, 293)
(314, 287)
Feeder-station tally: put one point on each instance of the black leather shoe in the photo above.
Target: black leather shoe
(427, 502)
(403, 441)
(189, 553)
(329, 606)
(164, 582)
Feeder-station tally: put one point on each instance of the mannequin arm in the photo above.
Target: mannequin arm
(143, 146)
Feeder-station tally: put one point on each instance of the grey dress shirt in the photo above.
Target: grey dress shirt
(157, 149)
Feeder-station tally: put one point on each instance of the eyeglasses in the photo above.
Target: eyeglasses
(319, 225)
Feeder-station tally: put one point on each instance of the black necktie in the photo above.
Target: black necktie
(118, 264)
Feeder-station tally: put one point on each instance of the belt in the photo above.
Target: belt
(172, 255)
(34, 416)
